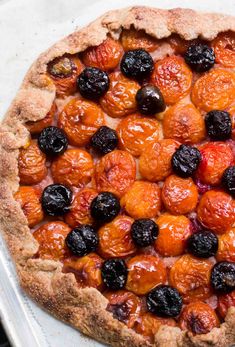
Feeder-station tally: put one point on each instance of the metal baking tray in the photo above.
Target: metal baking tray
(27, 28)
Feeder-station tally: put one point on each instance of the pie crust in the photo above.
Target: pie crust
(43, 280)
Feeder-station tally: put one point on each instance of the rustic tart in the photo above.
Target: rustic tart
(118, 180)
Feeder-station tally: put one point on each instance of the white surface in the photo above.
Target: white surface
(28, 27)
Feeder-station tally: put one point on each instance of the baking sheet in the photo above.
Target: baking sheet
(28, 27)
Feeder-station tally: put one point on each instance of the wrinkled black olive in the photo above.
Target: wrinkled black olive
(223, 277)
(56, 199)
(228, 180)
(105, 207)
(52, 141)
(104, 140)
(218, 125)
(185, 160)
(203, 244)
(200, 57)
(92, 83)
(137, 64)
(82, 240)
(144, 232)
(114, 273)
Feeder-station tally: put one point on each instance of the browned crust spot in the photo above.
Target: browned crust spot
(43, 280)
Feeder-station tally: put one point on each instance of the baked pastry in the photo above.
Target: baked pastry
(118, 179)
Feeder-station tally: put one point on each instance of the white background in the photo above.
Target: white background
(28, 27)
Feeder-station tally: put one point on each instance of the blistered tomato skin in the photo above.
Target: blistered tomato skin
(114, 274)
(199, 318)
(203, 244)
(115, 172)
(80, 119)
(32, 164)
(125, 306)
(144, 273)
(191, 276)
(226, 250)
(172, 76)
(29, 200)
(79, 212)
(120, 100)
(144, 232)
(200, 57)
(73, 168)
(184, 123)
(224, 46)
(214, 91)
(142, 200)
(136, 132)
(51, 238)
(92, 83)
(228, 180)
(87, 270)
(225, 301)
(104, 140)
(64, 71)
(216, 211)
(52, 141)
(138, 39)
(223, 277)
(56, 199)
(173, 233)
(37, 126)
(105, 207)
(216, 157)
(164, 301)
(137, 64)
(115, 239)
(185, 160)
(179, 195)
(155, 161)
(150, 100)
(105, 56)
(82, 240)
(148, 325)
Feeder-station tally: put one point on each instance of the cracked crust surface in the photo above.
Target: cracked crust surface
(43, 280)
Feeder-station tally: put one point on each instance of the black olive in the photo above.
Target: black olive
(92, 83)
(223, 277)
(144, 232)
(105, 207)
(114, 273)
(200, 57)
(104, 140)
(82, 240)
(56, 199)
(150, 100)
(52, 141)
(228, 180)
(137, 64)
(185, 160)
(203, 244)
(164, 301)
(218, 125)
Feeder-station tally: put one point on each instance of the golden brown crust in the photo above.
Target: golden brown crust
(57, 292)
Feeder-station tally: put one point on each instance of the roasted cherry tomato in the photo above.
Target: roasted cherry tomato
(29, 200)
(184, 123)
(64, 71)
(191, 276)
(148, 325)
(144, 273)
(173, 77)
(216, 211)
(155, 161)
(32, 164)
(224, 47)
(87, 270)
(105, 56)
(73, 168)
(80, 119)
(115, 172)
(125, 306)
(199, 318)
(226, 250)
(173, 233)
(37, 126)
(216, 157)
(138, 39)
(142, 200)
(226, 301)
(120, 100)
(115, 238)
(179, 195)
(215, 90)
(79, 212)
(51, 238)
(136, 132)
